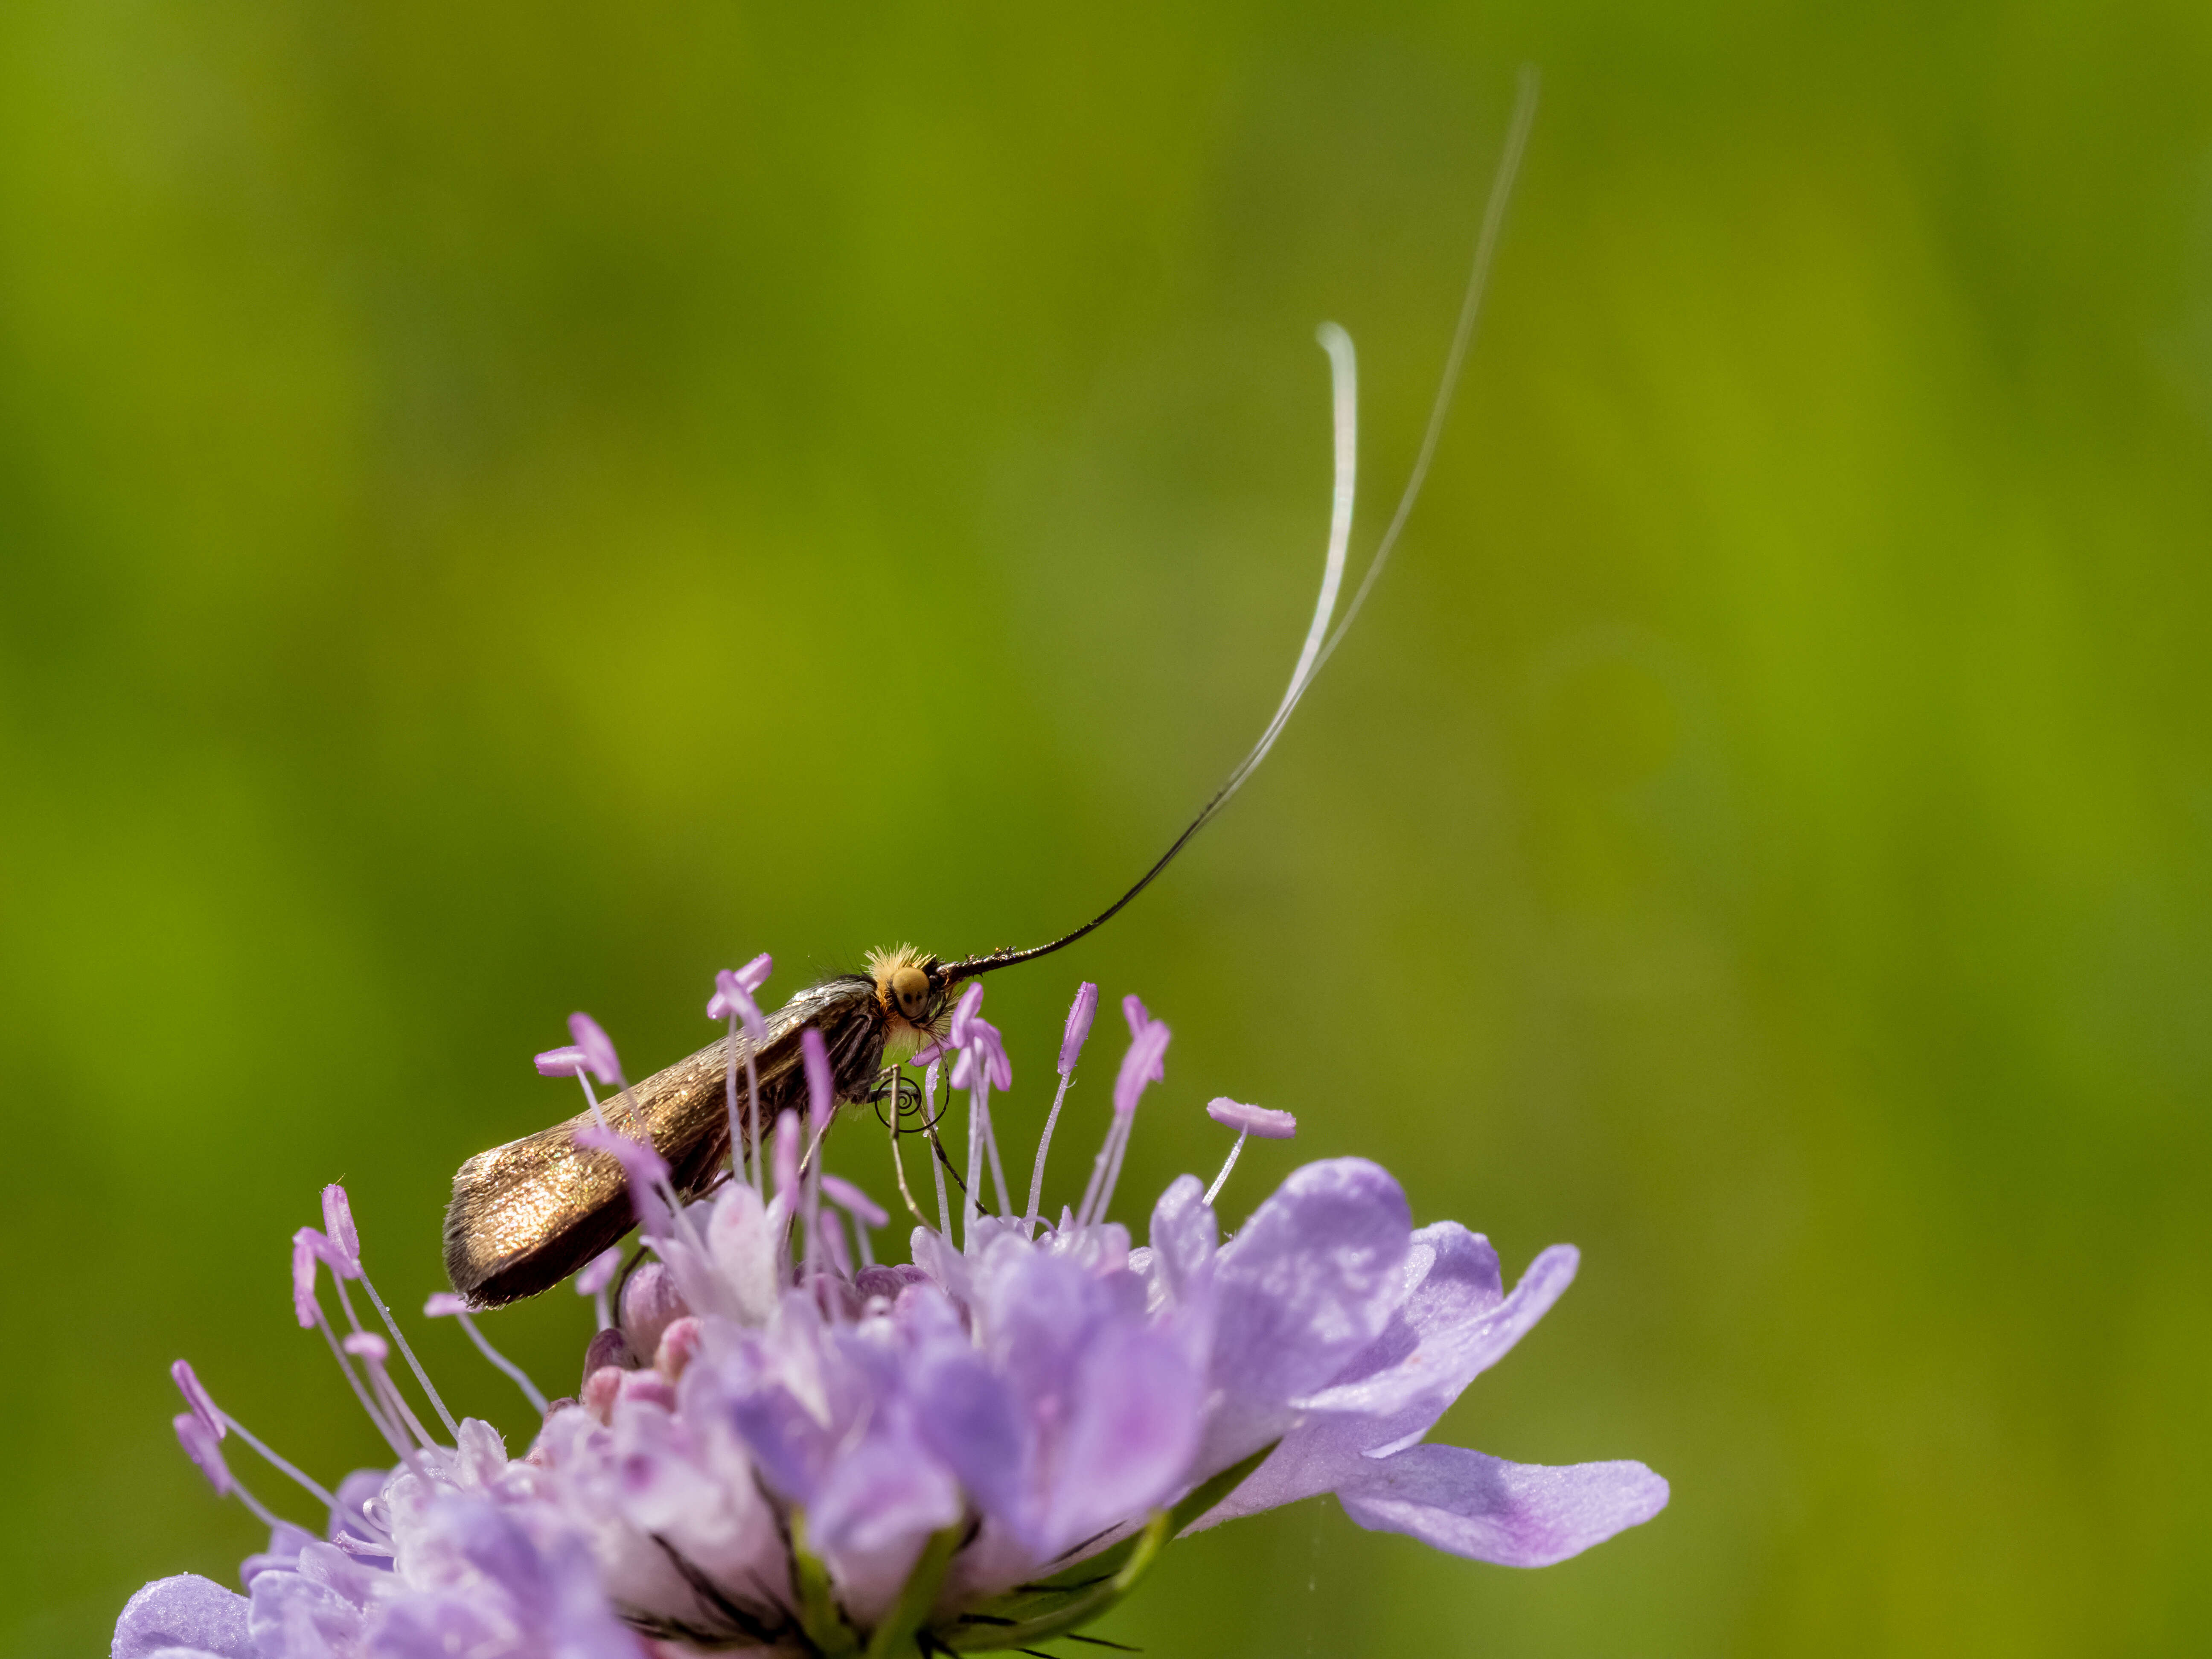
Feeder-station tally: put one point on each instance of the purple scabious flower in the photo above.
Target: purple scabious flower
(776, 1448)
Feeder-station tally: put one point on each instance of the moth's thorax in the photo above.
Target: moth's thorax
(903, 1035)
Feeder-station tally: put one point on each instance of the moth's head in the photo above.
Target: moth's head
(914, 993)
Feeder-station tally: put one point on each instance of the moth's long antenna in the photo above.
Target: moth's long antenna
(1320, 641)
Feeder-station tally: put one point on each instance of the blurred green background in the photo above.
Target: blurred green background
(511, 512)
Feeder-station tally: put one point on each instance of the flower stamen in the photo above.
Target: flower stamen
(445, 1303)
(221, 1422)
(865, 1213)
(200, 1445)
(338, 1225)
(308, 1308)
(733, 998)
(1078, 1031)
(1247, 1121)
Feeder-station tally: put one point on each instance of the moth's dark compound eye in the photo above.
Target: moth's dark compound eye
(910, 987)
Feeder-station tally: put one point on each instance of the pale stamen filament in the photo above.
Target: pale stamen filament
(898, 1163)
(1229, 1163)
(312, 1487)
(1044, 1145)
(413, 1364)
(521, 1378)
(396, 1440)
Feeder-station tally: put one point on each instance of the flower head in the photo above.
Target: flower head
(774, 1448)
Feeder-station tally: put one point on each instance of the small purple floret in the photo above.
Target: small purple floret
(1252, 1120)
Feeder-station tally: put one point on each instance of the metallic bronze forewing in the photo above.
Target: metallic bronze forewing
(526, 1215)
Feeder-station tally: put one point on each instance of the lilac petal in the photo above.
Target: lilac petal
(854, 1202)
(492, 1543)
(743, 1243)
(821, 1091)
(1252, 1120)
(187, 1612)
(790, 1447)
(338, 1224)
(1080, 1016)
(1517, 1515)
(196, 1397)
(560, 1062)
(1127, 1443)
(967, 1415)
(886, 1493)
(1184, 1231)
(199, 1443)
(1311, 1281)
(1040, 1314)
(289, 1613)
(435, 1627)
(282, 1555)
(352, 1581)
(1459, 1334)
(599, 1050)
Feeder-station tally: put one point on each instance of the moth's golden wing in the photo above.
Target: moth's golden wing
(526, 1215)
